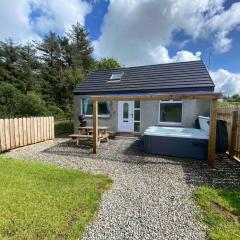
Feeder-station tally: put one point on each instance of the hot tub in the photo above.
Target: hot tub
(177, 142)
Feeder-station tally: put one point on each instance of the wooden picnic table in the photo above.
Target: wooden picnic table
(90, 128)
(87, 133)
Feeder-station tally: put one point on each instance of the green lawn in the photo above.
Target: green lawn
(43, 201)
(220, 209)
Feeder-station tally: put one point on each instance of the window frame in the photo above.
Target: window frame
(90, 115)
(114, 79)
(137, 121)
(170, 123)
(123, 112)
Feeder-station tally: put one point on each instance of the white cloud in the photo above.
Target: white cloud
(222, 43)
(14, 20)
(59, 15)
(55, 15)
(161, 55)
(222, 24)
(226, 82)
(132, 29)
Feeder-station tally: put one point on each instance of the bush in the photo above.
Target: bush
(15, 104)
(55, 111)
(10, 100)
(33, 105)
(63, 127)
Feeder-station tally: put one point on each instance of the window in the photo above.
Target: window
(136, 126)
(171, 112)
(125, 112)
(137, 104)
(116, 77)
(87, 107)
(137, 110)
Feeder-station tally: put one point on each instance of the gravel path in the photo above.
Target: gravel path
(151, 196)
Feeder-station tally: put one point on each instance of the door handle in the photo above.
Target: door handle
(132, 115)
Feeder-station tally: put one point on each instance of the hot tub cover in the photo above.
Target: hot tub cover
(176, 132)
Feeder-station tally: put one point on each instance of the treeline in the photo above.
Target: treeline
(228, 101)
(38, 78)
(234, 98)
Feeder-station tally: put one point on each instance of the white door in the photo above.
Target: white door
(125, 116)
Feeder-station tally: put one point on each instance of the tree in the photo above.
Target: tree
(106, 63)
(51, 68)
(79, 47)
(29, 69)
(233, 98)
(50, 49)
(236, 98)
(18, 66)
(40, 77)
(9, 56)
(65, 61)
(10, 100)
(13, 103)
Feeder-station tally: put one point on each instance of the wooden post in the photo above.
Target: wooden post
(95, 126)
(28, 128)
(44, 129)
(233, 134)
(2, 136)
(47, 128)
(212, 133)
(12, 133)
(20, 126)
(7, 133)
(53, 132)
(35, 130)
(16, 128)
(25, 132)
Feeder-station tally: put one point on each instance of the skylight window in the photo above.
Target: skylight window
(116, 76)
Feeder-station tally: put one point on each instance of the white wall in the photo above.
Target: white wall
(191, 110)
(149, 113)
(110, 121)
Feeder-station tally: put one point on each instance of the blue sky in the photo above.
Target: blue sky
(229, 60)
(94, 19)
(139, 32)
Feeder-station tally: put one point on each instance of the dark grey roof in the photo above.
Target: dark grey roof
(170, 77)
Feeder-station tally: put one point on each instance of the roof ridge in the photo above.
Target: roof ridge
(157, 64)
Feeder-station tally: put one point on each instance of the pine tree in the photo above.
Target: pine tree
(46, 72)
(28, 68)
(9, 56)
(80, 47)
(19, 65)
(51, 68)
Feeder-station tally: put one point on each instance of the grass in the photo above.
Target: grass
(220, 209)
(43, 201)
(228, 104)
(62, 127)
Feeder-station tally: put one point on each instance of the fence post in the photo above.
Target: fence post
(233, 134)
(2, 136)
(53, 131)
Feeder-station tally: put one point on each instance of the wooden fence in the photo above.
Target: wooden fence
(19, 132)
(232, 116)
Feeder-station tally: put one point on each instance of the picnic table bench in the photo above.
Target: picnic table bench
(87, 133)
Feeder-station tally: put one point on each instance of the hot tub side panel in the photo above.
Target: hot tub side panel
(176, 146)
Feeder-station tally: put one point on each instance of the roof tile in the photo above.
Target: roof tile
(179, 76)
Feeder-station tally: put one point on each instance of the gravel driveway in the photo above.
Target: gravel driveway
(151, 196)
